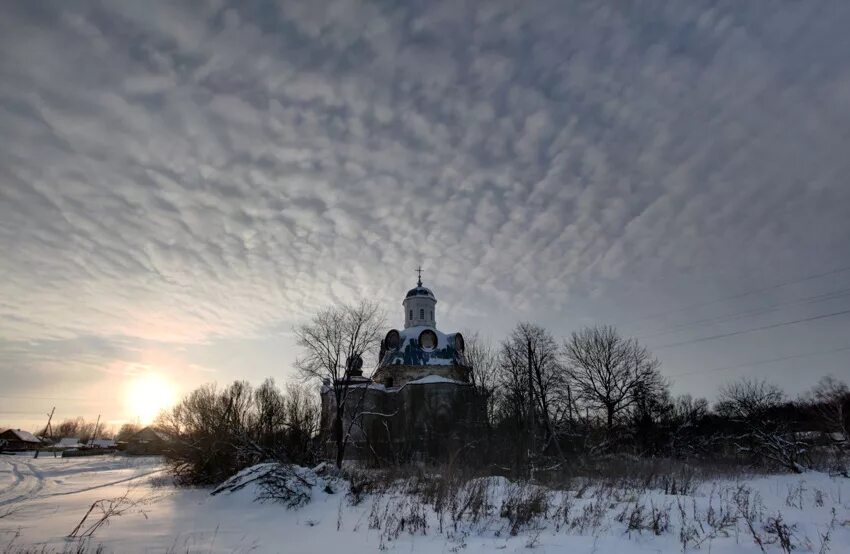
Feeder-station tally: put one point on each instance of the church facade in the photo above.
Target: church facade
(419, 404)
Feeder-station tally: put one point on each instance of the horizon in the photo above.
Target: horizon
(182, 185)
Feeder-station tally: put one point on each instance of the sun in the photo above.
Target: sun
(147, 395)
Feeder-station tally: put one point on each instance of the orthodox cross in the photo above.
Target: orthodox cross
(419, 271)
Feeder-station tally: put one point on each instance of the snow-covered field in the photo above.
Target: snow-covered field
(42, 500)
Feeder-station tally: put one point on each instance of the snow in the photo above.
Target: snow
(367, 384)
(68, 442)
(41, 500)
(412, 333)
(430, 379)
(409, 352)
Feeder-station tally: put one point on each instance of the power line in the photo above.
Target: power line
(840, 293)
(740, 295)
(762, 328)
(761, 362)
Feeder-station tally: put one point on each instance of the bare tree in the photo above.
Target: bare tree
(755, 404)
(685, 415)
(609, 372)
(213, 433)
(829, 400)
(302, 417)
(77, 427)
(687, 410)
(217, 432)
(484, 360)
(285, 423)
(529, 360)
(748, 399)
(335, 341)
(127, 430)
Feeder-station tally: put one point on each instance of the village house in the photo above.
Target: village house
(68, 442)
(148, 441)
(17, 440)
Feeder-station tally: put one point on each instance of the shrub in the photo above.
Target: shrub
(220, 432)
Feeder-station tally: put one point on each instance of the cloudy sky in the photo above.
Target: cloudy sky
(181, 183)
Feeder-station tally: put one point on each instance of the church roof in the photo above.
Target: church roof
(410, 352)
(420, 291)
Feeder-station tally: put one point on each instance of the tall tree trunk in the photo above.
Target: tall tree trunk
(610, 409)
(338, 438)
(530, 421)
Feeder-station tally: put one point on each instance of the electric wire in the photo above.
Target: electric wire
(833, 295)
(760, 362)
(740, 295)
(752, 330)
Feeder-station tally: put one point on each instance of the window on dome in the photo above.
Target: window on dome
(431, 314)
(411, 314)
(428, 340)
(421, 313)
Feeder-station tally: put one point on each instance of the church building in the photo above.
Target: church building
(419, 403)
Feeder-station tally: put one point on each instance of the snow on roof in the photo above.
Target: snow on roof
(409, 352)
(68, 442)
(24, 436)
(427, 380)
(367, 384)
(162, 435)
(103, 443)
(430, 379)
(150, 430)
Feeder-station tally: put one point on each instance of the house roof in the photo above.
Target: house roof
(68, 442)
(151, 432)
(23, 436)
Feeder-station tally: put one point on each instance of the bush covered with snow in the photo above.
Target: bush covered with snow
(290, 485)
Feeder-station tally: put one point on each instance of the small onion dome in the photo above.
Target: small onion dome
(420, 291)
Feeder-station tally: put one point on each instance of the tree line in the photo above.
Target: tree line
(85, 430)
(543, 402)
(597, 392)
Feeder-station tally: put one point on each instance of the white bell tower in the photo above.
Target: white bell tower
(420, 306)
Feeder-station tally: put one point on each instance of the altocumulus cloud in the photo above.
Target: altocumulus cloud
(179, 173)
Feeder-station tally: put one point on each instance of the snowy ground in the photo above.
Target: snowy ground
(42, 500)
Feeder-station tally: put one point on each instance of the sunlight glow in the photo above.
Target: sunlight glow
(147, 395)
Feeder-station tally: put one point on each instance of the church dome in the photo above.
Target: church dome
(420, 291)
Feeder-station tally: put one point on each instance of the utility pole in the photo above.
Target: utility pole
(47, 430)
(530, 417)
(94, 435)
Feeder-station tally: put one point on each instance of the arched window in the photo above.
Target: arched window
(431, 314)
(421, 313)
(411, 314)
